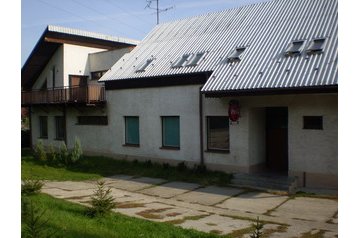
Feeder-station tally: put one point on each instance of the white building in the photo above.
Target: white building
(272, 65)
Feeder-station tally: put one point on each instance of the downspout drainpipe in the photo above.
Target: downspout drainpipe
(201, 127)
(65, 123)
(30, 126)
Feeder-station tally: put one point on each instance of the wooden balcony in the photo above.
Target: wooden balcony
(88, 95)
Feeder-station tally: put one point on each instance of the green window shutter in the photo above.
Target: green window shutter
(171, 136)
(132, 130)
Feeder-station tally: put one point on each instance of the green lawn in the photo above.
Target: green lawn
(95, 167)
(69, 220)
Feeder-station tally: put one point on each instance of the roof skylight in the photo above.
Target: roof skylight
(294, 48)
(235, 55)
(181, 61)
(144, 66)
(195, 59)
(316, 46)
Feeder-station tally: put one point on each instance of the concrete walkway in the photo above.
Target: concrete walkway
(220, 210)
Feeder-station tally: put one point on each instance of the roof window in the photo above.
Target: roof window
(195, 59)
(144, 66)
(295, 48)
(235, 55)
(181, 61)
(316, 46)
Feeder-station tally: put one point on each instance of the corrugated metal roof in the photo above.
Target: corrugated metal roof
(265, 29)
(71, 31)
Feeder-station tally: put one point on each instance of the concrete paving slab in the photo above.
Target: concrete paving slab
(70, 185)
(253, 202)
(135, 184)
(171, 189)
(209, 195)
(149, 211)
(311, 209)
(216, 223)
(65, 194)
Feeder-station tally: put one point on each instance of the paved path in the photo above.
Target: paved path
(221, 210)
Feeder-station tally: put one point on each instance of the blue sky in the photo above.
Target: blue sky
(126, 18)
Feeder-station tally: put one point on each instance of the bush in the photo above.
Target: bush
(39, 151)
(258, 227)
(166, 166)
(52, 155)
(181, 166)
(200, 168)
(34, 226)
(76, 153)
(102, 201)
(148, 163)
(30, 187)
(64, 156)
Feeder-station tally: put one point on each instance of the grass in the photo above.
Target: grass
(68, 220)
(95, 167)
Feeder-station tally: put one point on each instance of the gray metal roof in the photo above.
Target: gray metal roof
(71, 31)
(265, 29)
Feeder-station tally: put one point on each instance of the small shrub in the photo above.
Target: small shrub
(200, 168)
(30, 187)
(76, 153)
(39, 151)
(64, 156)
(148, 163)
(181, 166)
(102, 201)
(33, 222)
(52, 155)
(135, 161)
(258, 227)
(166, 166)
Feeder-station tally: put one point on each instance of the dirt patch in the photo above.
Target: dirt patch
(180, 221)
(216, 232)
(129, 205)
(151, 213)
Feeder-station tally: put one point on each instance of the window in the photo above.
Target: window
(92, 120)
(218, 133)
(181, 61)
(97, 75)
(194, 61)
(316, 46)
(132, 130)
(294, 48)
(236, 54)
(43, 126)
(170, 131)
(60, 127)
(144, 66)
(313, 122)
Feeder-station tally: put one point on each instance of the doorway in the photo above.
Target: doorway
(78, 87)
(277, 139)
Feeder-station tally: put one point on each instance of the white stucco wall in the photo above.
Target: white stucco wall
(76, 60)
(150, 104)
(46, 74)
(106, 59)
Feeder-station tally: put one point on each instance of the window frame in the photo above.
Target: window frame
(311, 49)
(208, 147)
(143, 66)
(289, 50)
(92, 120)
(236, 54)
(195, 59)
(164, 146)
(59, 127)
(43, 133)
(126, 143)
(182, 61)
(308, 125)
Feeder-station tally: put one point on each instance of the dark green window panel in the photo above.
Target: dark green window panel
(132, 130)
(171, 131)
(218, 136)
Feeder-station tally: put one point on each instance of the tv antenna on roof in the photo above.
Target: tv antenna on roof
(149, 5)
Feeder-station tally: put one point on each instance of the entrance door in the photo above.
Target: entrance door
(78, 87)
(277, 139)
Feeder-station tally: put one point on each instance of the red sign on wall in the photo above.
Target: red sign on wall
(234, 110)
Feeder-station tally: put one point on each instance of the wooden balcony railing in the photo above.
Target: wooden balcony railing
(90, 94)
